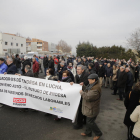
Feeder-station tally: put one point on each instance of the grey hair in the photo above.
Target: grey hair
(25, 57)
(122, 67)
(128, 68)
(27, 67)
(81, 66)
(10, 59)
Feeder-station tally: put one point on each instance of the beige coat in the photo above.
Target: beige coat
(135, 117)
(114, 77)
(91, 101)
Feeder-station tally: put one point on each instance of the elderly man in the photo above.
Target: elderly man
(26, 62)
(35, 67)
(62, 68)
(12, 69)
(28, 71)
(91, 106)
(129, 82)
(108, 75)
(3, 66)
(80, 78)
(121, 83)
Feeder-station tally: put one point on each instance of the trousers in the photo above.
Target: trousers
(92, 126)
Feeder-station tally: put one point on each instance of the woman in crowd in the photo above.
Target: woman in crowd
(65, 78)
(114, 79)
(132, 100)
(135, 117)
(71, 68)
(50, 75)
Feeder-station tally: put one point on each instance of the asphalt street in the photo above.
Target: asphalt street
(16, 125)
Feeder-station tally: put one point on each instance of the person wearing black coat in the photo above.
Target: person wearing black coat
(122, 78)
(51, 63)
(63, 67)
(91, 68)
(12, 69)
(26, 62)
(132, 100)
(45, 63)
(101, 73)
(136, 73)
(81, 77)
(18, 64)
(129, 82)
(28, 71)
(108, 75)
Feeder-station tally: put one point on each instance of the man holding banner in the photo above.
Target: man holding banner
(91, 106)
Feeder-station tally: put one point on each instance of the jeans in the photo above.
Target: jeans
(121, 93)
(19, 70)
(92, 126)
(45, 71)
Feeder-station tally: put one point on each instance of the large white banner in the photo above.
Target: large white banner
(60, 99)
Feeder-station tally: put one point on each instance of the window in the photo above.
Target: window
(11, 44)
(21, 45)
(6, 43)
(16, 44)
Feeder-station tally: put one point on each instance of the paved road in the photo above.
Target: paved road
(16, 125)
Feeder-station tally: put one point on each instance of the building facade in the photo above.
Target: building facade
(12, 44)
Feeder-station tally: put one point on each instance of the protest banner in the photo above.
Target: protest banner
(48, 96)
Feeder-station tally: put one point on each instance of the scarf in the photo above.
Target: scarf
(89, 86)
(47, 77)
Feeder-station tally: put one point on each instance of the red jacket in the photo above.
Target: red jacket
(55, 61)
(35, 67)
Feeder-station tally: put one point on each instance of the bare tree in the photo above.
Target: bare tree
(134, 40)
(63, 46)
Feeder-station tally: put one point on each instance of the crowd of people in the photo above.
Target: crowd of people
(121, 76)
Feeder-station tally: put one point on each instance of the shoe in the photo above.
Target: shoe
(88, 135)
(120, 99)
(96, 137)
(76, 127)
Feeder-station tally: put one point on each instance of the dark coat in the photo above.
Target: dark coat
(45, 62)
(26, 62)
(92, 71)
(51, 64)
(97, 67)
(82, 78)
(108, 71)
(62, 69)
(101, 72)
(130, 105)
(130, 79)
(18, 63)
(68, 80)
(12, 69)
(29, 74)
(122, 79)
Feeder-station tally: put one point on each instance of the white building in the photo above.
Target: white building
(12, 44)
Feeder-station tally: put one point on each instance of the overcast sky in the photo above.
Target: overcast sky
(101, 22)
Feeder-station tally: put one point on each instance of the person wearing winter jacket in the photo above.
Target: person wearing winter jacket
(26, 62)
(45, 63)
(101, 74)
(135, 117)
(55, 63)
(18, 64)
(35, 67)
(91, 68)
(108, 75)
(71, 68)
(3, 66)
(12, 69)
(132, 100)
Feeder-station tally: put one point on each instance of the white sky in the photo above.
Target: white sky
(101, 22)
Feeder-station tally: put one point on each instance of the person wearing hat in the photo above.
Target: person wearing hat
(91, 106)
